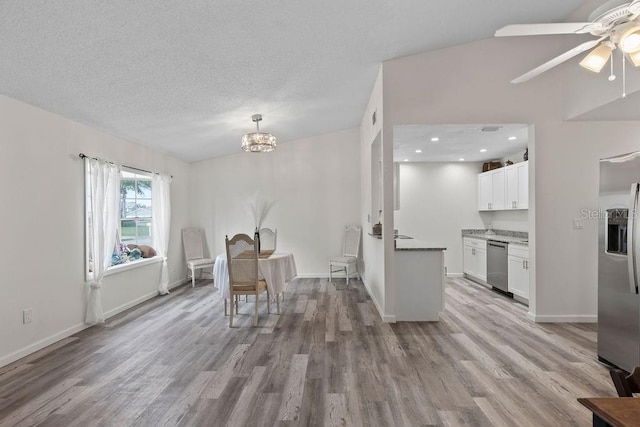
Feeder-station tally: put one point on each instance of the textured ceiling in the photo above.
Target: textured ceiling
(185, 77)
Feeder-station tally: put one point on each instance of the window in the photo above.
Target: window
(135, 209)
(134, 216)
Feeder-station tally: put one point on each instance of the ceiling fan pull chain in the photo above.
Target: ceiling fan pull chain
(624, 77)
(612, 76)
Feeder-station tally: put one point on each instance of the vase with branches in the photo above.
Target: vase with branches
(259, 207)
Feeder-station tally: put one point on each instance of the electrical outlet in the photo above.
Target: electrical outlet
(27, 315)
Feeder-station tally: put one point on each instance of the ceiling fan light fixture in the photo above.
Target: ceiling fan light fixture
(258, 142)
(630, 40)
(634, 58)
(597, 58)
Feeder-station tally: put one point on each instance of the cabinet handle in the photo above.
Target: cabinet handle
(489, 205)
(524, 266)
(515, 204)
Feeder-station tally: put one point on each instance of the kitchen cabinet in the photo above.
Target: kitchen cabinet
(491, 190)
(420, 282)
(505, 188)
(475, 258)
(518, 270)
(517, 186)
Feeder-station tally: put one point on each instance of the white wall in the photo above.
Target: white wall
(372, 249)
(314, 182)
(42, 255)
(506, 220)
(438, 200)
(470, 84)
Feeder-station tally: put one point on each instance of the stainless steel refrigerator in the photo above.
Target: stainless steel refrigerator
(618, 261)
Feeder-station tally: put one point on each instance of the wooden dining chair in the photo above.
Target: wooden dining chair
(242, 264)
(625, 384)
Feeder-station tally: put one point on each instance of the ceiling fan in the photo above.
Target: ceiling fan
(615, 24)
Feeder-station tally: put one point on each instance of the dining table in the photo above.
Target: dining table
(613, 411)
(276, 269)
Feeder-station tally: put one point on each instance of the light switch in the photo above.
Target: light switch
(578, 224)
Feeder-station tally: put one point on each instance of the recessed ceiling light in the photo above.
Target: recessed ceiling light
(461, 160)
(513, 138)
(435, 139)
(418, 151)
(406, 160)
(484, 150)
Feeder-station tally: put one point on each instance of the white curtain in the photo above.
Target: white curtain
(104, 183)
(161, 224)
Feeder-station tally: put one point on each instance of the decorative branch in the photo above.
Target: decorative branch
(260, 208)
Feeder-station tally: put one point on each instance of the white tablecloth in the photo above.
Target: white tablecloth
(276, 270)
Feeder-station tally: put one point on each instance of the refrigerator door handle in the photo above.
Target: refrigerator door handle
(631, 237)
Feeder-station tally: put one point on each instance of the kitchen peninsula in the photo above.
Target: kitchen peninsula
(419, 280)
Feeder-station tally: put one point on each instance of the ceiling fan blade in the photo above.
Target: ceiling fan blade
(542, 29)
(558, 60)
(634, 9)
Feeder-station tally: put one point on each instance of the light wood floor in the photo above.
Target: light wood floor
(326, 360)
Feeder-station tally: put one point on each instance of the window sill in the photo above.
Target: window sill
(132, 264)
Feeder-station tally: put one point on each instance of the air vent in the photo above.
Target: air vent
(490, 128)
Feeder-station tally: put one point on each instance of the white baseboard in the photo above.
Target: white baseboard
(313, 276)
(385, 318)
(39, 345)
(141, 299)
(562, 318)
(323, 276)
(455, 275)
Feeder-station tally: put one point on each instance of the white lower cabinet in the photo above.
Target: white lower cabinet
(518, 271)
(475, 258)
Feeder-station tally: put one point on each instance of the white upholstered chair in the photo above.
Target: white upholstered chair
(242, 264)
(193, 241)
(349, 258)
(268, 239)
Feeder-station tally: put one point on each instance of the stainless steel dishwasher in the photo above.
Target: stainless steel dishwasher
(497, 265)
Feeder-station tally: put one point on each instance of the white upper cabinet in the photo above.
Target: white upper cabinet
(485, 191)
(523, 185)
(491, 190)
(517, 186)
(498, 179)
(505, 188)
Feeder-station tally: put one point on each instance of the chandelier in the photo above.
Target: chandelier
(258, 142)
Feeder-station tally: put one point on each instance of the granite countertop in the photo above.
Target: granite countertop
(504, 236)
(402, 242)
(397, 236)
(415, 245)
